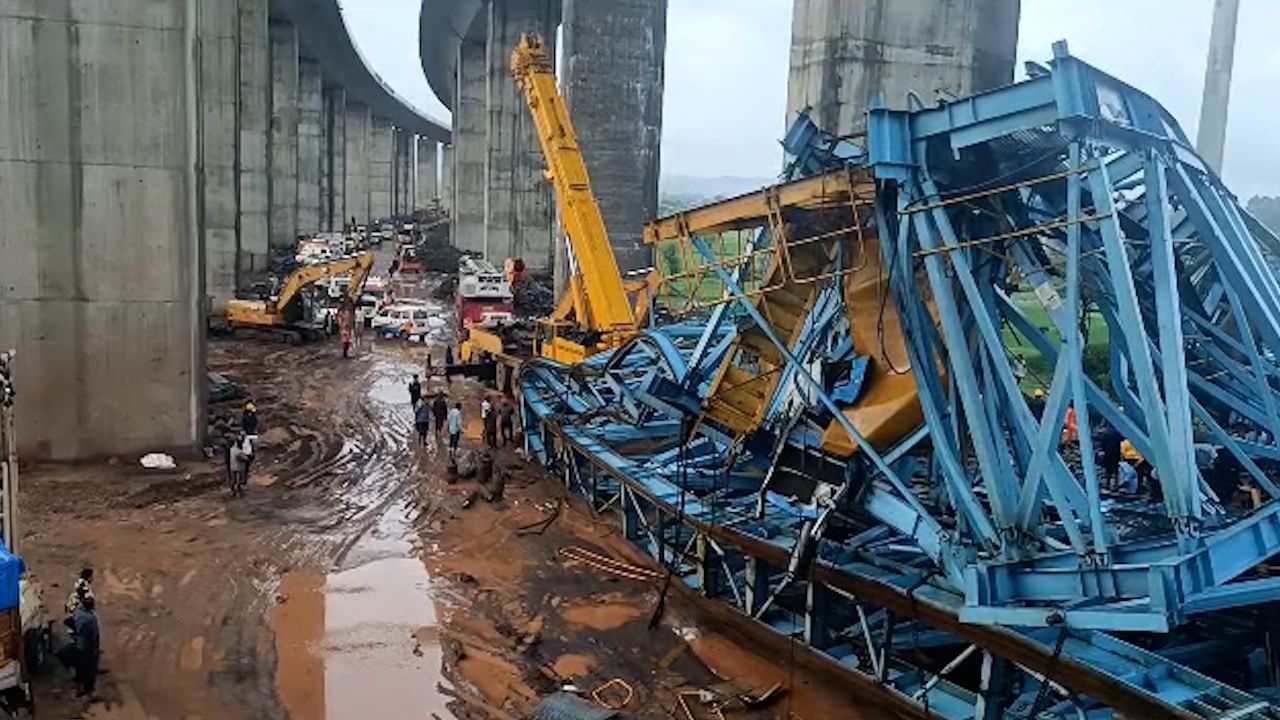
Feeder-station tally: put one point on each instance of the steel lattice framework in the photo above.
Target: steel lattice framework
(837, 440)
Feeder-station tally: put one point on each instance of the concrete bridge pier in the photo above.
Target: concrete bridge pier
(335, 173)
(404, 172)
(380, 157)
(151, 152)
(254, 128)
(612, 76)
(310, 138)
(102, 273)
(427, 182)
(446, 176)
(845, 53)
(282, 189)
(613, 80)
(357, 162)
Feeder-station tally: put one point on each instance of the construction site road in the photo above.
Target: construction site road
(354, 581)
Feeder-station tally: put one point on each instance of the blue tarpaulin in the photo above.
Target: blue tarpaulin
(11, 569)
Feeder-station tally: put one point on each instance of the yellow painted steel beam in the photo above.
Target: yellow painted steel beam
(821, 191)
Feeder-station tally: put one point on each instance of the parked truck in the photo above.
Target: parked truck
(25, 628)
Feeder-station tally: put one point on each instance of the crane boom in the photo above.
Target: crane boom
(599, 297)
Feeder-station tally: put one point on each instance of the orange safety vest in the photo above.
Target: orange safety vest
(1072, 429)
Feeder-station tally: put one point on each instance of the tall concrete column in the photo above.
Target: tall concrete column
(1211, 137)
(325, 179)
(519, 209)
(470, 143)
(446, 176)
(101, 257)
(357, 163)
(397, 162)
(380, 159)
(310, 156)
(254, 121)
(394, 195)
(427, 184)
(333, 202)
(613, 81)
(283, 180)
(846, 52)
(219, 59)
(404, 170)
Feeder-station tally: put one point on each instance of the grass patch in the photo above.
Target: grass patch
(1039, 369)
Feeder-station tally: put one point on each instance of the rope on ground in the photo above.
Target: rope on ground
(613, 703)
(607, 564)
(540, 526)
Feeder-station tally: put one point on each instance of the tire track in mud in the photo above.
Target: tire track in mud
(382, 464)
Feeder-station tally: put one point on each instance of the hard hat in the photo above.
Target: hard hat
(1038, 393)
(250, 407)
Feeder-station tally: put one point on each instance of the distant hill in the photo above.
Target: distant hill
(681, 192)
(1267, 210)
(710, 187)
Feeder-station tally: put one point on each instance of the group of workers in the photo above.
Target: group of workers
(240, 450)
(437, 410)
(1126, 471)
(84, 652)
(498, 422)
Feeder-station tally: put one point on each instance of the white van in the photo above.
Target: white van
(392, 318)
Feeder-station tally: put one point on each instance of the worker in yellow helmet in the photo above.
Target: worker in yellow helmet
(1036, 403)
(1140, 464)
(249, 427)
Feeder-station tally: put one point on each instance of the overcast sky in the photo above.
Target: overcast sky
(726, 69)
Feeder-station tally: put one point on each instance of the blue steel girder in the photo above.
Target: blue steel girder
(1071, 191)
(1129, 160)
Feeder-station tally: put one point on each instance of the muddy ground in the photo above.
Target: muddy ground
(352, 582)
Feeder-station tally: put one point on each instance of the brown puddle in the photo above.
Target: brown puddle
(361, 642)
(607, 612)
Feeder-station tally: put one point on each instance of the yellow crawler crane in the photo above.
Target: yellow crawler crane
(280, 314)
(596, 312)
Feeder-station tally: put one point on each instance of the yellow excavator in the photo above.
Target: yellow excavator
(283, 315)
(597, 311)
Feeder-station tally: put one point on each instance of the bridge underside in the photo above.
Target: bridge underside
(153, 156)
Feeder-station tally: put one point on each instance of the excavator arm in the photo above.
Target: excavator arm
(364, 265)
(599, 299)
(358, 265)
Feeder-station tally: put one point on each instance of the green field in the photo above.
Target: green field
(1039, 369)
(678, 258)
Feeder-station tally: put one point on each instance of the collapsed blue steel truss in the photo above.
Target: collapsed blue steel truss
(978, 566)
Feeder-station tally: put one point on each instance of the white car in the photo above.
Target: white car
(393, 317)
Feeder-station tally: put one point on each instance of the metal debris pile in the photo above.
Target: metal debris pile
(844, 442)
